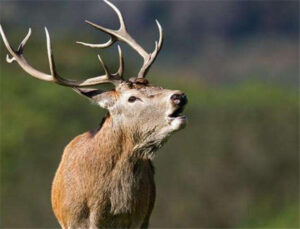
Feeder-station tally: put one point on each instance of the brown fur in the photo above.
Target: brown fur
(105, 177)
(103, 185)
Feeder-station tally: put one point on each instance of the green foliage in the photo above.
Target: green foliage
(271, 217)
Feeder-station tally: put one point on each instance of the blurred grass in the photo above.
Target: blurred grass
(237, 162)
(235, 165)
(274, 218)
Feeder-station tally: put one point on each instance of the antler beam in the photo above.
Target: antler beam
(17, 56)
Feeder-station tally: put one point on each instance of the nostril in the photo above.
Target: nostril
(183, 99)
(179, 99)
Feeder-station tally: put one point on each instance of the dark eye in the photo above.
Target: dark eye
(132, 99)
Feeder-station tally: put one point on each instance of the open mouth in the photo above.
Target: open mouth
(177, 113)
(176, 119)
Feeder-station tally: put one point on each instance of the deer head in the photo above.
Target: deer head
(145, 113)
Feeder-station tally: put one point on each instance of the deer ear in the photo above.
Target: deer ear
(104, 99)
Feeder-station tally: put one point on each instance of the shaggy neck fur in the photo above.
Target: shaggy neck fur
(128, 165)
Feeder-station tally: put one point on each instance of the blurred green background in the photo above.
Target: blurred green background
(235, 165)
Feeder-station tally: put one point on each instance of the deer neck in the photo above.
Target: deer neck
(127, 142)
(127, 168)
(112, 138)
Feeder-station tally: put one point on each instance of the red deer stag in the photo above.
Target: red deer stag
(105, 177)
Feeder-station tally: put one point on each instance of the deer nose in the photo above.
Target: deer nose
(179, 99)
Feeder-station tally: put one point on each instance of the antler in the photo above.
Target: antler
(116, 35)
(17, 56)
(121, 34)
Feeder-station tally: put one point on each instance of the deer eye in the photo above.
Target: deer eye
(132, 99)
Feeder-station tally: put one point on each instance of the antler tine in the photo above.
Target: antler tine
(158, 45)
(104, 45)
(23, 43)
(161, 35)
(121, 62)
(9, 59)
(121, 34)
(114, 35)
(119, 74)
(6, 43)
(53, 77)
(120, 16)
(104, 66)
(50, 58)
